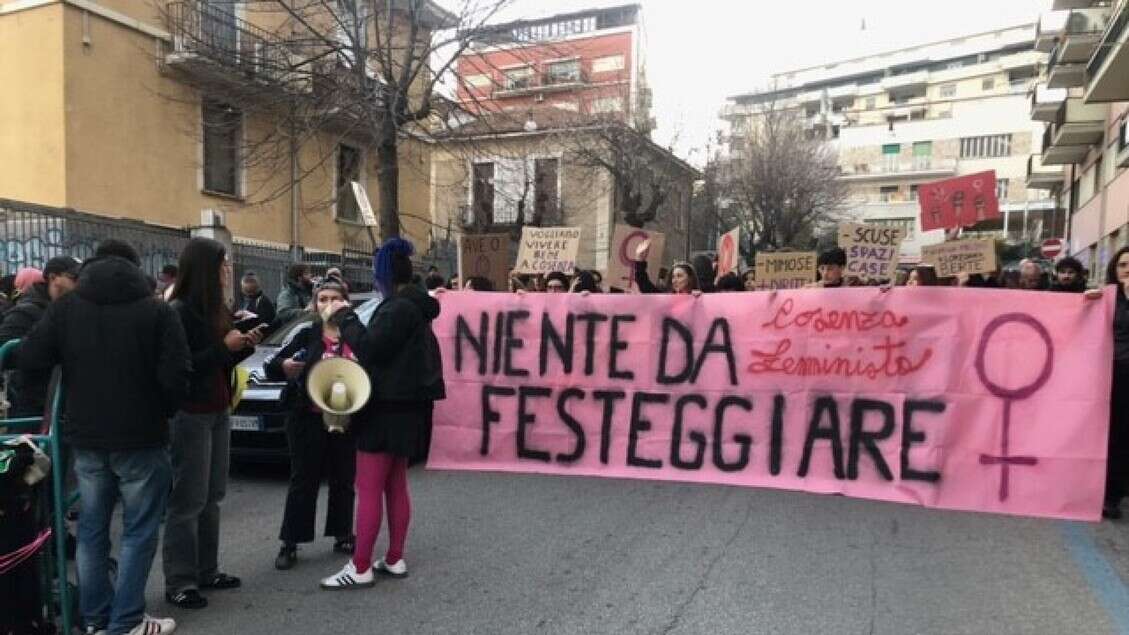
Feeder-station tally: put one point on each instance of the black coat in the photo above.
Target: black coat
(1121, 328)
(27, 390)
(209, 356)
(261, 306)
(399, 349)
(124, 357)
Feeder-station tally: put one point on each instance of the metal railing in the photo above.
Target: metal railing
(1109, 40)
(222, 37)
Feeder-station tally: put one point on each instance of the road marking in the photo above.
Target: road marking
(1104, 582)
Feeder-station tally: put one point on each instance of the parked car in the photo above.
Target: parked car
(257, 425)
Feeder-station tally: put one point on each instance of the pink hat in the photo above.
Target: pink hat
(26, 277)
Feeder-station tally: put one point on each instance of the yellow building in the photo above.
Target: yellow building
(154, 110)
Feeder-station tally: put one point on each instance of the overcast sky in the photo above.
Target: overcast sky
(698, 53)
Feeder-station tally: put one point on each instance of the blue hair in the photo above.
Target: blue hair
(382, 263)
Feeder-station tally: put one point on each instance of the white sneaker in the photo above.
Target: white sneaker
(348, 577)
(154, 626)
(396, 570)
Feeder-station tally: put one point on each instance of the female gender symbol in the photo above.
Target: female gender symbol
(1004, 460)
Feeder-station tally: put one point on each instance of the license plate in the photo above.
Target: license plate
(247, 424)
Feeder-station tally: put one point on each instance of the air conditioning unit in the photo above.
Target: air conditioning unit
(212, 218)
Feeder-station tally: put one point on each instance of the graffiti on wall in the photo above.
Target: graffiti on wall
(18, 249)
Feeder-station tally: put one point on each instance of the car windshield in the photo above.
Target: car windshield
(283, 335)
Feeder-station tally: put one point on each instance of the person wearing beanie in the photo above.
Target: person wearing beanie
(26, 277)
(401, 355)
(831, 264)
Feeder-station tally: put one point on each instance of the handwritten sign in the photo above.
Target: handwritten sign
(960, 256)
(872, 250)
(785, 269)
(729, 251)
(890, 396)
(621, 259)
(363, 204)
(486, 256)
(960, 202)
(548, 249)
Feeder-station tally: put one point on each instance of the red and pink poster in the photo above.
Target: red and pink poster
(959, 202)
(1001, 406)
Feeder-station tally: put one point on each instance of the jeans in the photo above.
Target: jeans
(201, 447)
(140, 478)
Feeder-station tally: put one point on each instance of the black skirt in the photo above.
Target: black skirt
(398, 428)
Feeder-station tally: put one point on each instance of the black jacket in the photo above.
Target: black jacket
(209, 356)
(124, 357)
(399, 349)
(1121, 327)
(27, 390)
(1078, 286)
(310, 340)
(261, 306)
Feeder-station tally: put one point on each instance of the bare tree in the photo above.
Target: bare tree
(782, 187)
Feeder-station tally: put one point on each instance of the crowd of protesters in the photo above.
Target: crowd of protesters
(148, 364)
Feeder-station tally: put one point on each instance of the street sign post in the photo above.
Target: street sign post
(1052, 248)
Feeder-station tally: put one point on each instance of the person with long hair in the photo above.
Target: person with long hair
(399, 351)
(1117, 462)
(682, 278)
(201, 429)
(314, 450)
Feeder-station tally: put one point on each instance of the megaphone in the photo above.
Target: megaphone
(339, 387)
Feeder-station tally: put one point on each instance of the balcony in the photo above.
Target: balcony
(1063, 75)
(1108, 71)
(543, 83)
(1082, 34)
(213, 46)
(1048, 30)
(1040, 177)
(918, 167)
(1066, 5)
(905, 81)
(1045, 102)
(810, 97)
(1076, 128)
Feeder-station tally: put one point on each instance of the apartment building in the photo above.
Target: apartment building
(152, 110)
(911, 116)
(587, 62)
(1082, 101)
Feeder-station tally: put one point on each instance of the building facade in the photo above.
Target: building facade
(904, 118)
(588, 62)
(1082, 102)
(142, 110)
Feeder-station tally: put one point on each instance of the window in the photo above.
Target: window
(482, 194)
(907, 225)
(608, 64)
(890, 153)
(477, 81)
(223, 131)
(546, 193)
(989, 83)
(891, 149)
(913, 192)
(922, 155)
(888, 193)
(871, 102)
(1001, 189)
(563, 72)
(607, 105)
(948, 90)
(518, 78)
(348, 170)
(985, 147)
(1098, 175)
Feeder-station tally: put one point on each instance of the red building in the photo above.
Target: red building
(587, 62)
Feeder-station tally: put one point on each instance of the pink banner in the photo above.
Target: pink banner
(969, 399)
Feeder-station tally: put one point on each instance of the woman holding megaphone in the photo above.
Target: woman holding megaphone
(314, 449)
(401, 356)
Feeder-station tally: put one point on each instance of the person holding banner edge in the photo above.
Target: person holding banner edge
(1117, 459)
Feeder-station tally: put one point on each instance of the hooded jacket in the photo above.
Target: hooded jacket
(124, 358)
(292, 302)
(28, 389)
(399, 349)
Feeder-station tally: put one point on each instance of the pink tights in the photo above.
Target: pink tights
(381, 478)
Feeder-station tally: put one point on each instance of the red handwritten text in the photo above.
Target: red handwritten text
(820, 320)
(891, 363)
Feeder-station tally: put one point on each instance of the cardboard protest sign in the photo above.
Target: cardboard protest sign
(872, 250)
(621, 258)
(729, 251)
(959, 202)
(785, 269)
(487, 256)
(548, 249)
(363, 204)
(890, 396)
(961, 256)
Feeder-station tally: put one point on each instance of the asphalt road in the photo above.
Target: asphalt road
(493, 553)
